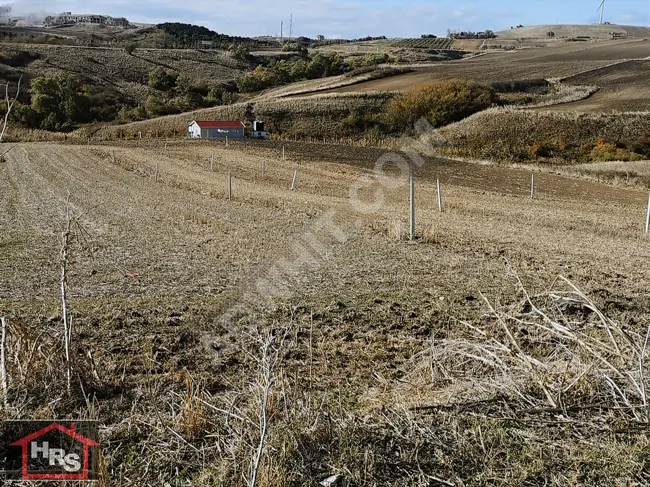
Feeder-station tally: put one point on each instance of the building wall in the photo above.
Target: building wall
(213, 133)
(194, 131)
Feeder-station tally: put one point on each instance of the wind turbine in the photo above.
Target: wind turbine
(602, 11)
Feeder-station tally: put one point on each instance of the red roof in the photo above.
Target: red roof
(68, 431)
(215, 124)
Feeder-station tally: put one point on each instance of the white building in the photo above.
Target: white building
(215, 129)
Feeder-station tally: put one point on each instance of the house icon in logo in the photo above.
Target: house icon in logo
(55, 453)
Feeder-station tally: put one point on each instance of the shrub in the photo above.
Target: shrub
(606, 151)
(641, 146)
(129, 49)
(440, 102)
(161, 79)
(541, 150)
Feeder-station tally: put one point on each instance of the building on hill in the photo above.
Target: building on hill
(215, 129)
(68, 18)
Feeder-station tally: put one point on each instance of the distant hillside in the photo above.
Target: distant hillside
(179, 35)
(566, 31)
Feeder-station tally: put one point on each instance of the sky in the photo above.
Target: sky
(351, 18)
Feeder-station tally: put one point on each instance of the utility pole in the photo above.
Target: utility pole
(281, 30)
(291, 27)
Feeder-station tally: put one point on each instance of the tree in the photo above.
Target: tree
(161, 79)
(440, 102)
(58, 101)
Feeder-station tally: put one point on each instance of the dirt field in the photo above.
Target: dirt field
(163, 260)
(622, 87)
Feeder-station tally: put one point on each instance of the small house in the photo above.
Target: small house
(215, 130)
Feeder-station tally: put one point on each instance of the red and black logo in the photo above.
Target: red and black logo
(50, 450)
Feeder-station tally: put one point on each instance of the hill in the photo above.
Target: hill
(565, 31)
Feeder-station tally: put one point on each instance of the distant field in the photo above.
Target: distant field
(439, 43)
(623, 87)
(480, 69)
(567, 31)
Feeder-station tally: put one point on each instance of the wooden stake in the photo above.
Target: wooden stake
(293, 183)
(411, 205)
(439, 195)
(155, 173)
(229, 186)
(139, 135)
(532, 185)
(212, 162)
(226, 141)
(3, 361)
(647, 218)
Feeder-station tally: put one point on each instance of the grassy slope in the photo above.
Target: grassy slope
(321, 115)
(115, 68)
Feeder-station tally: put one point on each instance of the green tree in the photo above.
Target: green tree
(58, 100)
(161, 79)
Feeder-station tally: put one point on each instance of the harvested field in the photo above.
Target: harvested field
(379, 342)
(573, 31)
(622, 87)
(559, 61)
(485, 69)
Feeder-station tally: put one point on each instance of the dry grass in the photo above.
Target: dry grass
(507, 134)
(322, 114)
(387, 346)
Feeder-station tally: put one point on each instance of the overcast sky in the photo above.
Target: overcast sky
(351, 18)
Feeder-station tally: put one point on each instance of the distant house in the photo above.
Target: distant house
(197, 129)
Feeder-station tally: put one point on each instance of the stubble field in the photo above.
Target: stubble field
(384, 348)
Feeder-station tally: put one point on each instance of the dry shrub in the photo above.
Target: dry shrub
(440, 102)
(396, 230)
(606, 151)
(430, 235)
(540, 150)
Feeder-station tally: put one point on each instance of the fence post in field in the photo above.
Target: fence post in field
(3, 361)
(647, 218)
(155, 173)
(212, 162)
(411, 205)
(139, 135)
(226, 141)
(229, 186)
(293, 182)
(439, 195)
(532, 185)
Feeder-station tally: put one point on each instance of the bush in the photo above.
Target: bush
(541, 150)
(440, 102)
(163, 80)
(606, 151)
(129, 49)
